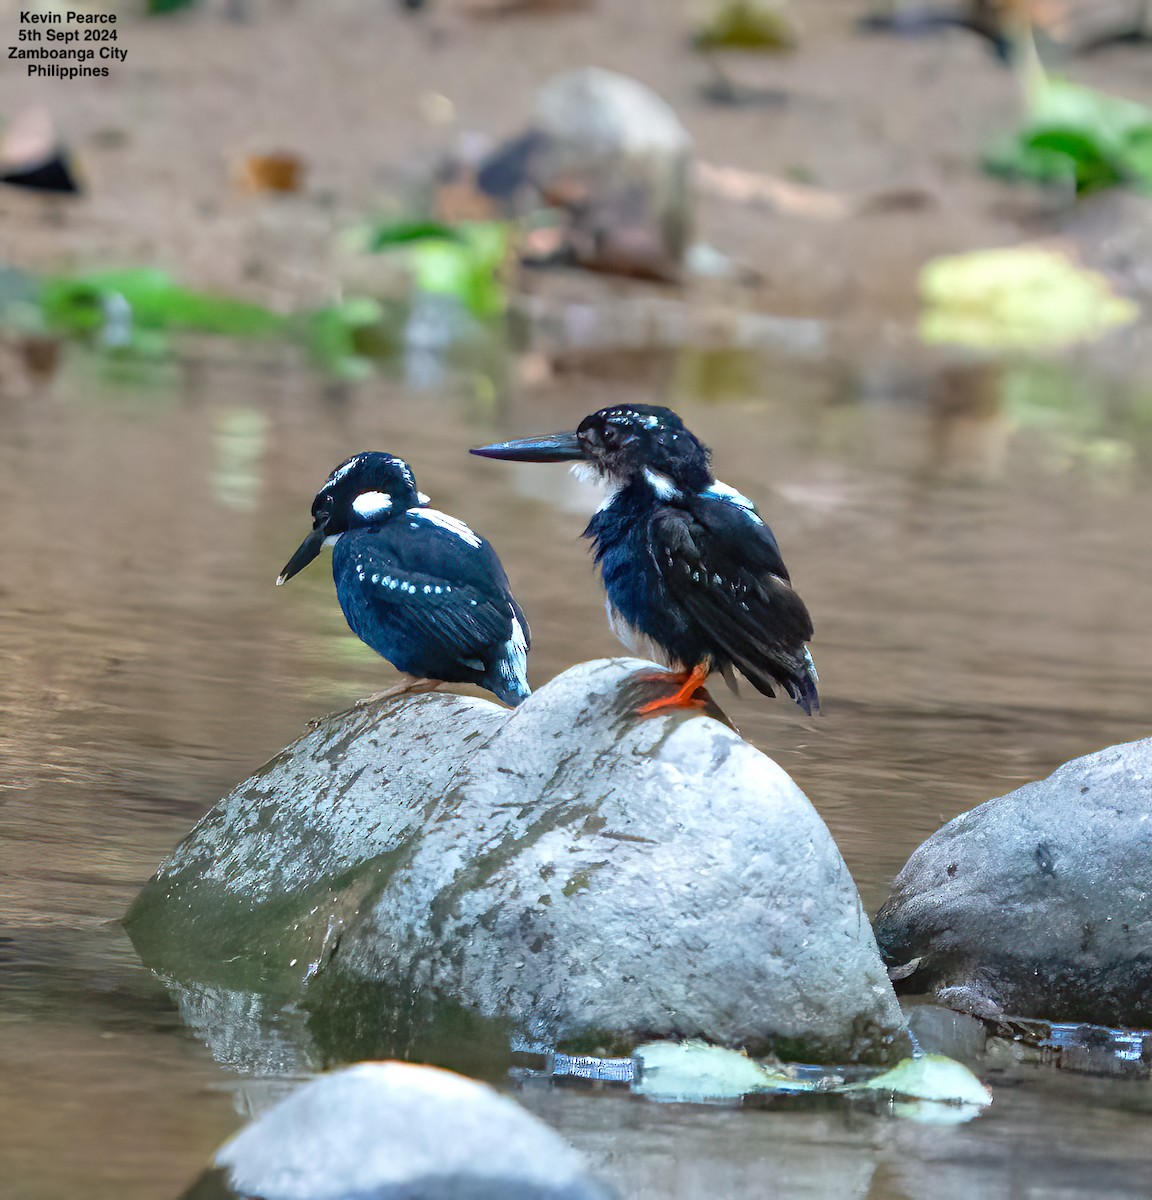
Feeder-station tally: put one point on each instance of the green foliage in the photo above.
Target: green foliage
(404, 233)
(343, 339)
(465, 261)
(126, 309)
(160, 7)
(1080, 137)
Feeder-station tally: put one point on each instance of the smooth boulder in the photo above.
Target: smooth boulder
(595, 880)
(392, 1131)
(442, 878)
(1039, 903)
(273, 870)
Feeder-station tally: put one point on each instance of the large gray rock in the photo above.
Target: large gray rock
(267, 877)
(596, 880)
(444, 876)
(391, 1131)
(1039, 903)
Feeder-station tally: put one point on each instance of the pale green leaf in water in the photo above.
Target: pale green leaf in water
(693, 1072)
(929, 1077)
(1021, 297)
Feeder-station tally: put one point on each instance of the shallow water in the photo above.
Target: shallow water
(972, 543)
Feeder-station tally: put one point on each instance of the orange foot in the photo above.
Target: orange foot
(690, 693)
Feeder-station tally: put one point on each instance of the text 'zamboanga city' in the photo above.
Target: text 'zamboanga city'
(45, 40)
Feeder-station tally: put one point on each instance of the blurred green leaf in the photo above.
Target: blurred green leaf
(1081, 136)
(344, 339)
(146, 299)
(469, 270)
(404, 233)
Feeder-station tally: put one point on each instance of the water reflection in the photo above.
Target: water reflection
(971, 544)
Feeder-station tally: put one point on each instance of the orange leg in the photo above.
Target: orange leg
(685, 694)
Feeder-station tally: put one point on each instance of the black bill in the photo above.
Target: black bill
(552, 447)
(309, 548)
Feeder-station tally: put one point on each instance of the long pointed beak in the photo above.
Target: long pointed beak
(309, 548)
(553, 447)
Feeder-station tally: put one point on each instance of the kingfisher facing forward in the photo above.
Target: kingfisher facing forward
(416, 585)
(690, 568)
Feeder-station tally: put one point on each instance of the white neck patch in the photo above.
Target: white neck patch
(664, 488)
(372, 504)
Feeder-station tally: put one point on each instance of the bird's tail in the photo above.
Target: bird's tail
(511, 690)
(802, 686)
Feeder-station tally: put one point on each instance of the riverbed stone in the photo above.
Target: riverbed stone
(617, 158)
(596, 880)
(1038, 903)
(271, 871)
(393, 1131)
(443, 878)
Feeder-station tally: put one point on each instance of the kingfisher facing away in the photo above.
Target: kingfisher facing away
(690, 568)
(415, 584)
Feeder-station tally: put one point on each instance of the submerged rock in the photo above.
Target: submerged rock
(445, 876)
(391, 1131)
(1036, 904)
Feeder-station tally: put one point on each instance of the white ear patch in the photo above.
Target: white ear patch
(372, 504)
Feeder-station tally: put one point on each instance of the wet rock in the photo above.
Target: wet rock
(1036, 904)
(271, 871)
(1086, 1049)
(391, 1131)
(441, 878)
(939, 1030)
(595, 881)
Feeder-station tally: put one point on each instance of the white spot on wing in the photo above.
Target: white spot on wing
(372, 504)
(444, 521)
(723, 491)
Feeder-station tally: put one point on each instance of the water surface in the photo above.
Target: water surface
(973, 545)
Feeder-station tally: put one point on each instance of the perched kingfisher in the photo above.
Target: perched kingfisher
(415, 584)
(690, 568)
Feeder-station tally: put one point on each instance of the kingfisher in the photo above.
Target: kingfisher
(416, 585)
(693, 575)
